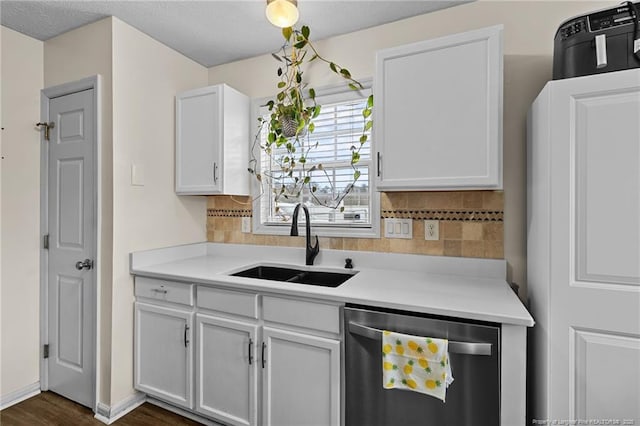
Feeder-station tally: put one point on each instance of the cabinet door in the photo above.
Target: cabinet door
(226, 386)
(164, 353)
(301, 379)
(584, 171)
(198, 141)
(438, 121)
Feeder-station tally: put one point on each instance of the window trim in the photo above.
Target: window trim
(324, 95)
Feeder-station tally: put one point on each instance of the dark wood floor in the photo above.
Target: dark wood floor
(51, 409)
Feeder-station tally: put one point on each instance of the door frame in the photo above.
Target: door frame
(93, 82)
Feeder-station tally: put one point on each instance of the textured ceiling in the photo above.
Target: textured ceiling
(209, 32)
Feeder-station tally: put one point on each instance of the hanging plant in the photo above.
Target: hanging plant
(286, 134)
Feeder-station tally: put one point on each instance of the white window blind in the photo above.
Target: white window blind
(338, 128)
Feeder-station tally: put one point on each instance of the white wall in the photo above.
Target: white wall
(80, 53)
(528, 47)
(22, 79)
(146, 77)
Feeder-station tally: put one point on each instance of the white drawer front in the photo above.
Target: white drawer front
(166, 291)
(317, 316)
(228, 301)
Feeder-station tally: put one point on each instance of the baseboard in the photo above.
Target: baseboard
(19, 395)
(183, 413)
(108, 415)
(102, 412)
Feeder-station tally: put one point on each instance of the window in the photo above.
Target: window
(337, 128)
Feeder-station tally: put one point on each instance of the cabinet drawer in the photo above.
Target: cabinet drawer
(166, 291)
(228, 301)
(317, 316)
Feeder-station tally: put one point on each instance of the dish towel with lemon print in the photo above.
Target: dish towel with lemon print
(419, 364)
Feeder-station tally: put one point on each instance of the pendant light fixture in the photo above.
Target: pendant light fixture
(282, 13)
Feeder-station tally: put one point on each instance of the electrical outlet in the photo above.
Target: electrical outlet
(431, 230)
(246, 225)
(398, 228)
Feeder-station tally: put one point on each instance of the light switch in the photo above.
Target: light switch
(388, 227)
(246, 225)
(398, 228)
(137, 174)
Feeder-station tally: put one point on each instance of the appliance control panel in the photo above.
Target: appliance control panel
(573, 27)
(598, 21)
(610, 18)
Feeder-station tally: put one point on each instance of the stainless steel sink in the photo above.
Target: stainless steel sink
(291, 275)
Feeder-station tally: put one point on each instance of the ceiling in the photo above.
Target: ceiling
(210, 32)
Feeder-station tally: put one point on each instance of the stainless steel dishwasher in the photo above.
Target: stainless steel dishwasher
(474, 352)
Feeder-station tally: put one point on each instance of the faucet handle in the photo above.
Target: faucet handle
(312, 251)
(348, 263)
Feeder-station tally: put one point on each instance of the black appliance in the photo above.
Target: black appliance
(601, 41)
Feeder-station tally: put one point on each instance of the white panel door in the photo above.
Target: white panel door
(72, 225)
(198, 141)
(595, 248)
(163, 359)
(301, 379)
(226, 379)
(438, 113)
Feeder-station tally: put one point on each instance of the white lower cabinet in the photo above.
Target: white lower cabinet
(164, 353)
(259, 359)
(226, 377)
(301, 380)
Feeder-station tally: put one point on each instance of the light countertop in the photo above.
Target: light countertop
(456, 287)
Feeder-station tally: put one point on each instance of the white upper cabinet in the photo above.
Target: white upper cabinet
(438, 118)
(212, 141)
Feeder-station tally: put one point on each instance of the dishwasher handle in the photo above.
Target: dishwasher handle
(465, 348)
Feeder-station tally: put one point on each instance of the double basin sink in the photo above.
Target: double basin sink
(292, 275)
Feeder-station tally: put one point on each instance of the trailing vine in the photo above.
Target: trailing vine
(288, 128)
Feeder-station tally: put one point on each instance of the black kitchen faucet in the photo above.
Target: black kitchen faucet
(311, 250)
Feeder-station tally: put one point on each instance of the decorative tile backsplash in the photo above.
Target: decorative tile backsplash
(471, 224)
(449, 215)
(229, 212)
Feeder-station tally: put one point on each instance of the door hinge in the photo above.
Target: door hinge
(45, 351)
(45, 242)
